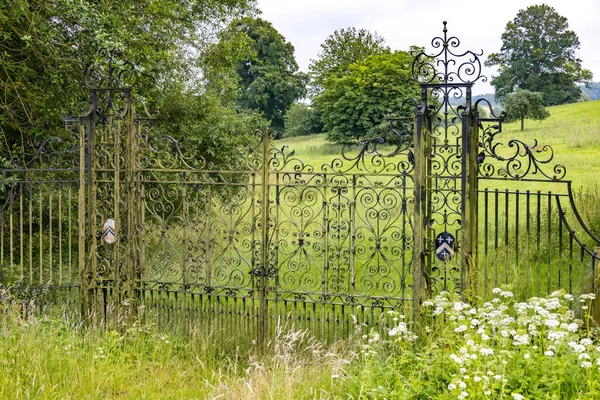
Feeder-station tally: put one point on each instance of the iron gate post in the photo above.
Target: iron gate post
(420, 211)
(84, 295)
(90, 264)
(132, 210)
(469, 188)
(264, 269)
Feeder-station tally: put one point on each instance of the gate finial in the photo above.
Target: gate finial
(447, 66)
(110, 70)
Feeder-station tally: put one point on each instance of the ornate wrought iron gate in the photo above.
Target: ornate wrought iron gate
(440, 205)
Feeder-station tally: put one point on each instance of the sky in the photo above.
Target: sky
(402, 23)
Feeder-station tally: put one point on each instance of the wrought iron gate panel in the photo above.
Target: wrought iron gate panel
(342, 235)
(272, 240)
(200, 235)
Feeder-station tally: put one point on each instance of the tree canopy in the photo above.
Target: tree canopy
(46, 45)
(267, 71)
(340, 50)
(301, 120)
(355, 105)
(539, 54)
(522, 104)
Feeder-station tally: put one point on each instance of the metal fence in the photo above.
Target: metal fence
(114, 220)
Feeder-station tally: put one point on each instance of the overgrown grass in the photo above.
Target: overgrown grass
(500, 349)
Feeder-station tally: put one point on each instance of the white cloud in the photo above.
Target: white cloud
(478, 24)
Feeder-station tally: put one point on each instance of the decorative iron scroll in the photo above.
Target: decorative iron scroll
(371, 156)
(452, 68)
(522, 159)
(53, 153)
(110, 70)
(160, 151)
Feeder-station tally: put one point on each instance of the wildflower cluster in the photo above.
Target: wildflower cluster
(401, 331)
(488, 345)
(370, 343)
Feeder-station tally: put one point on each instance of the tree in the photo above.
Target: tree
(268, 74)
(355, 105)
(340, 50)
(538, 54)
(523, 104)
(46, 45)
(301, 120)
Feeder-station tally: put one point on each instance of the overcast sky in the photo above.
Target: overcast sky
(478, 24)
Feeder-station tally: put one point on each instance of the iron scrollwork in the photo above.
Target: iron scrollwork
(447, 66)
(519, 159)
(111, 70)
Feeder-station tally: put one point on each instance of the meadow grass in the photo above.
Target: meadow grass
(495, 350)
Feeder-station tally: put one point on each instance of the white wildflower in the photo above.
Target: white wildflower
(456, 359)
(576, 347)
(572, 327)
(551, 323)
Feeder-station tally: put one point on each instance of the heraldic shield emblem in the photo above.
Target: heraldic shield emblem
(109, 231)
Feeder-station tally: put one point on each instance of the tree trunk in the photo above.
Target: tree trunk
(522, 123)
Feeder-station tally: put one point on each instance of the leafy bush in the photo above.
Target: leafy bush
(302, 120)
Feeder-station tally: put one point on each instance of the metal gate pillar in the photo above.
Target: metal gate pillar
(446, 148)
(419, 288)
(469, 188)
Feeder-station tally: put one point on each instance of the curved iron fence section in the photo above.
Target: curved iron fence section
(533, 240)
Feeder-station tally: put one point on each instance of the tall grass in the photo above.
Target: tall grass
(500, 349)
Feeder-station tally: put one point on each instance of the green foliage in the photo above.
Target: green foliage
(523, 104)
(355, 105)
(214, 130)
(538, 54)
(301, 120)
(265, 67)
(340, 50)
(47, 44)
